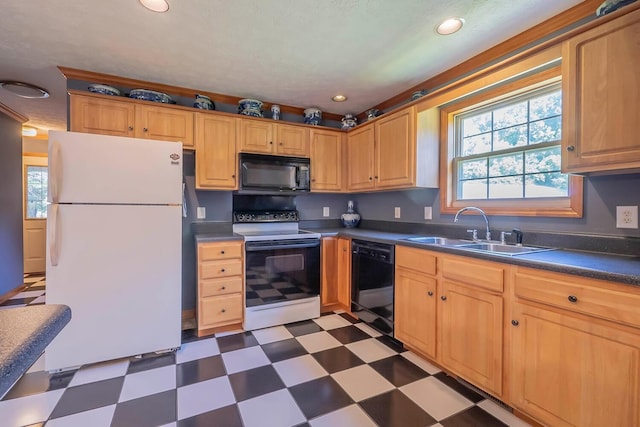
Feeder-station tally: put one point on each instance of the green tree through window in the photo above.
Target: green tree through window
(36, 192)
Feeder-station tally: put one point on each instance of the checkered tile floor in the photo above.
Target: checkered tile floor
(328, 371)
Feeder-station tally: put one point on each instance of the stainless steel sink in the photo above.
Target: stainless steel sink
(443, 241)
(498, 248)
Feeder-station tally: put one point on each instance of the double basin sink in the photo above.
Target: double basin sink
(487, 247)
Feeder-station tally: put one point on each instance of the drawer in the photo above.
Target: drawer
(473, 272)
(219, 250)
(219, 311)
(227, 285)
(416, 259)
(579, 295)
(224, 268)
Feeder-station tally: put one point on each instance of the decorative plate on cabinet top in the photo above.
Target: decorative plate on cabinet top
(151, 95)
(104, 89)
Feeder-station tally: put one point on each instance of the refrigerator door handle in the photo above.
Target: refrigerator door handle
(54, 242)
(55, 169)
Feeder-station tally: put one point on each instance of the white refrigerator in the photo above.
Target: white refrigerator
(114, 246)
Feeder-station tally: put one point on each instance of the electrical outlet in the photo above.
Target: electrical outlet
(428, 212)
(396, 214)
(201, 212)
(626, 217)
(325, 211)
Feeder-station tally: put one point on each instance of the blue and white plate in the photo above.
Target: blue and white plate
(151, 95)
(104, 89)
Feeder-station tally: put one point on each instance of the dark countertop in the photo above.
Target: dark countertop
(24, 334)
(623, 269)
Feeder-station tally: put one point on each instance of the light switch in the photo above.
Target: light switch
(325, 211)
(201, 212)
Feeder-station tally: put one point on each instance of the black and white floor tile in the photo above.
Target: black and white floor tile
(330, 371)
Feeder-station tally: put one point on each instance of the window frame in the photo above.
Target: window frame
(571, 206)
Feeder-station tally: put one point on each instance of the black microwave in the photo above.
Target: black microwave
(273, 174)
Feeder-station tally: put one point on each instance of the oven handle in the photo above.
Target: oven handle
(265, 246)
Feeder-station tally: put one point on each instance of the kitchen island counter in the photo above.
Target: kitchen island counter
(24, 334)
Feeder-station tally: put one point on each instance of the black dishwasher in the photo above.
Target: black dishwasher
(372, 275)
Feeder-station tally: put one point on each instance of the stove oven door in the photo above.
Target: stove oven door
(280, 271)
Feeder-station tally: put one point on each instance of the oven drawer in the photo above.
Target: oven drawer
(224, 268)
(219, 250)
(220, 310)
(224, 286)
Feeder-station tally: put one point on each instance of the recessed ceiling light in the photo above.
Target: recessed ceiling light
(155, 5)
(339, 98)
(24, 90)
(29, 131)
(449, 26)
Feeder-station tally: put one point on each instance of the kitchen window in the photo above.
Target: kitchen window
(504, 152)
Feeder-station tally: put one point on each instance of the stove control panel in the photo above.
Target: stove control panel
(276, 216)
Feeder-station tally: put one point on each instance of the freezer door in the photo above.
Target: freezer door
(119, 270)
(88, 168)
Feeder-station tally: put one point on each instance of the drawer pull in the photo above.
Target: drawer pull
(443, 298)
(430, 293)
(222, 252)
(223, 288)
(572, 298)
(515, 322)
(222, 270)
(223, 310)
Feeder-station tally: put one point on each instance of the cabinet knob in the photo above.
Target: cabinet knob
(222, 270)
(223, 310)
(313, 180)
(233, 176)
(281, 143)
(270, 142)
(130, 127)
(430, 293)
(376, 177)
(222, 252)
(443, 298)
(223, 288)
(370, 178)
(145, 129)
(572, 298)
(515, 322)
(571, 148)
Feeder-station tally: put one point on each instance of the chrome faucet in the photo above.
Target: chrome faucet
(472, 208)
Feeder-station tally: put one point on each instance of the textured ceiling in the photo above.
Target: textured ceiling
(293, 52)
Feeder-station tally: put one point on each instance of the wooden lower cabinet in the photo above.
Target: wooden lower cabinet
(470, 335)
(335, 274)
(415, 311)
(220, 292)
(569, 370)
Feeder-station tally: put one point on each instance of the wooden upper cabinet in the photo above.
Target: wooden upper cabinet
(164, 123)
(360, 157)
(258, 136)
(101, 116)
(216, 159)
(395, 154)
(326, 160)
(291, 140)
(601, 107)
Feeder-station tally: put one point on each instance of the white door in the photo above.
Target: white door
(34, 229)
(90, 168)
(119, 269)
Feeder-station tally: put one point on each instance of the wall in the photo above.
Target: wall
(601, 196)
(11, 255)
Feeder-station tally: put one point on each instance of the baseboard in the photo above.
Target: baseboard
(12, 293)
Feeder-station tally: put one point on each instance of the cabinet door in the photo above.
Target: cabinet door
(360, 156)
(329, 261)
(326, 160)
(344, 272)
(256, 136)
(102, 116)
(470, 335)
(601, 107)
(568, 371)
(164, 123)
(395, 157)
(292, 140)
(415, 311)
(216, 159)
